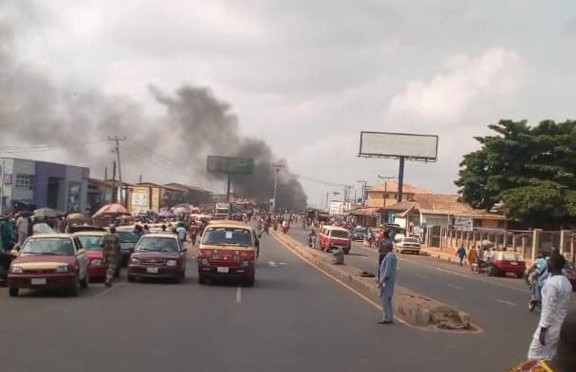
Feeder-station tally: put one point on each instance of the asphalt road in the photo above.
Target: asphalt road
(294, 319)
(498, 305)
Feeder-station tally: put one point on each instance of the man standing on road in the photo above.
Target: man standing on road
(111, 245)
(555, 302)
(385, 245)
(461, 253)
(23, 225)
(386, 282)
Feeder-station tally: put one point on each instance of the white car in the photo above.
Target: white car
(408, 244)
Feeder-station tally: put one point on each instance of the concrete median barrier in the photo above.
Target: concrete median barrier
(411, 307)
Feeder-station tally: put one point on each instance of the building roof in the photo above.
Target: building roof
(443, 204)
(365, 211)
(392, 186)
(183, 187)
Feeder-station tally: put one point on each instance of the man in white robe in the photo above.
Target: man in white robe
(556, 294)
(386, 283)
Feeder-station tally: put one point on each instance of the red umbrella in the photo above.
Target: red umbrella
(111, 209)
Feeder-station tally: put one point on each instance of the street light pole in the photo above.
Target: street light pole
(363, 195)
(385, 178)
(117, 150)
(277, 168)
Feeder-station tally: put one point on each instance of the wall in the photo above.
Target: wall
(45, 171)
(376, 198)
(76, 188)
(22, 167)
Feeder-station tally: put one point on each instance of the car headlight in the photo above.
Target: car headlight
(17, 270)
(245, 263)
(171, 263)
(62, 269)
(205, 262)
(96, 263)
(134, 260)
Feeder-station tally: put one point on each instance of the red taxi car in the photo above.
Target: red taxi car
(92, 242)
(50, 261)
(335, 237)
(158, 256)
(503, 262)
(228, 249)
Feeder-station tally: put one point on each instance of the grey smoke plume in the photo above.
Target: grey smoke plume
(205, 126)
(35, 110)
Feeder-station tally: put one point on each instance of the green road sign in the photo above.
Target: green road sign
(229, 164)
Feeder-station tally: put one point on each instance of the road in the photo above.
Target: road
(295, 318)
(498, 305)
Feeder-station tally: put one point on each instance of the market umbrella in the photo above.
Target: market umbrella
(182, 209)
(46, 213)
(165, 214)
(75, 216)
(111, 209)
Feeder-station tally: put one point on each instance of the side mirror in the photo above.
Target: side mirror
(14, 253)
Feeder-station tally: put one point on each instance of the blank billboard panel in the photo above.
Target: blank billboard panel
(395, 145)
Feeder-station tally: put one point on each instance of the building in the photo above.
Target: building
(185, 194)
(29, 184)
(385, 194)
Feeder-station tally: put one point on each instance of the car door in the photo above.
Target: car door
(183, 260)
(82, 257)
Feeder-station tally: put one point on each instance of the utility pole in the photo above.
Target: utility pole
(386, 178)
(363, 195)
(2, 187)
(117, 140)
(277, 168)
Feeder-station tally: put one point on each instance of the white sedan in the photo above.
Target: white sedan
(408, 244)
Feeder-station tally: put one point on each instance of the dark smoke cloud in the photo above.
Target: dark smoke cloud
(35, 110)
(206, 126)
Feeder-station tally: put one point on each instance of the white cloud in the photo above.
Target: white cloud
(495, 74)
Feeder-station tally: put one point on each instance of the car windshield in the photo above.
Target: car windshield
(410, 240)
(339, 234)
(49, 246)
(127, 236)
(227, 236)
(157, 244)
(91, 242)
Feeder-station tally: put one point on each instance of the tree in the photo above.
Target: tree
(531, 170)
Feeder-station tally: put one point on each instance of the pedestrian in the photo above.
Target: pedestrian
(23, 226)
(461, 253)
(555, 302)
(193, 232)
(386, 282)
(111, 245)
(181, 231)
(385, 245)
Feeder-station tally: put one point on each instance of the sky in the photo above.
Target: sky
(308, 76)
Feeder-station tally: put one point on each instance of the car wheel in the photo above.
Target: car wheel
(75, 289)
(249, 282)
(346, 251)
(14, 292)
(531, 305)
(201, 279)
(131, 278)
(492, 271)
(85, 282)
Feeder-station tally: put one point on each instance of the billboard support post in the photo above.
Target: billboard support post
(400, 178)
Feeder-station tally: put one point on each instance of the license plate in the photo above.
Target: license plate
(152, 270)
(513, 263)
(38, 281)
(223, 270)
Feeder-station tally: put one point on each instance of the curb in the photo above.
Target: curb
(411, 307)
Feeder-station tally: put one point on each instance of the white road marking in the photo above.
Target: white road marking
(272, 263)
(505, 302)
(455, 287)
(238, 295)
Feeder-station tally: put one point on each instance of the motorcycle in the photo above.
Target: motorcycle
(480, 267)
(534, 299)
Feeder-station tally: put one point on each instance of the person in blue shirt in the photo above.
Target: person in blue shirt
(386, 283)
(461, 253)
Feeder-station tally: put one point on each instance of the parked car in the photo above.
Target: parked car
(158, 256)
(128, 240)
(408, 244)
(92, 242)
(359, 234)
(503, 262)
(50, 261)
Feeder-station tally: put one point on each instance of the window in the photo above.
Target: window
(25, 181)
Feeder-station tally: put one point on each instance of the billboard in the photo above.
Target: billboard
(229, 164)
(339, 208)
(396, 145)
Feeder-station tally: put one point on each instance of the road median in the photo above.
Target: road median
(410, 307)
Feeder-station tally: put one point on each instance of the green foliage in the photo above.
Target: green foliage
(529, 169)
